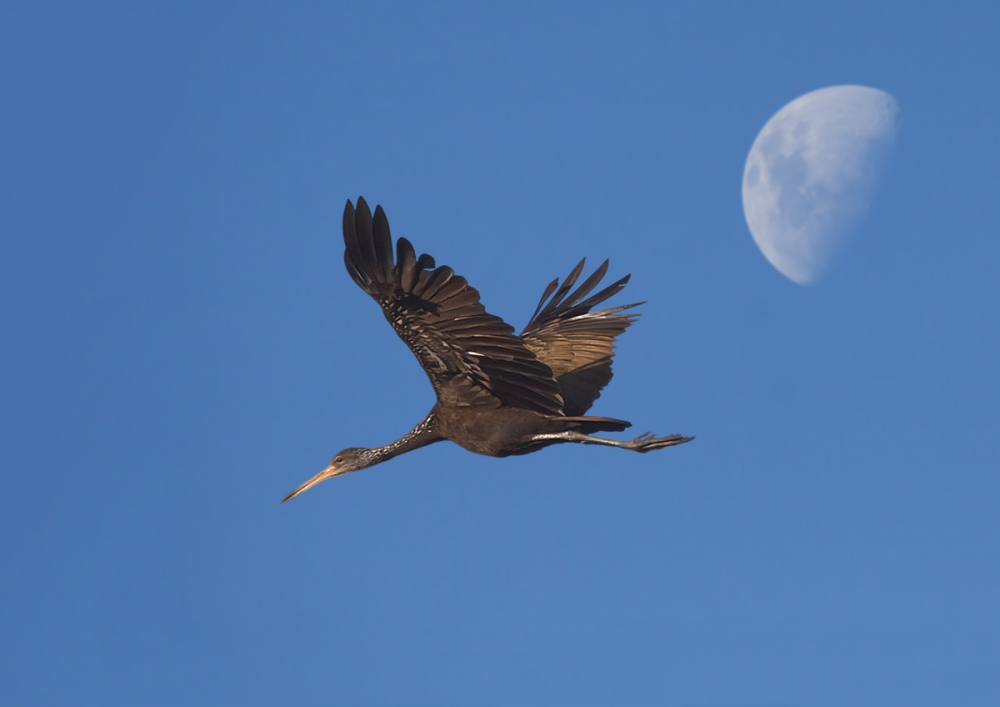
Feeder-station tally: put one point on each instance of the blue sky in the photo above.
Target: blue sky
(182, 347)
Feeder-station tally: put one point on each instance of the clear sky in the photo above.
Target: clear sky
(182, 346)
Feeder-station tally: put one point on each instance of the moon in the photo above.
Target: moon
(812, 172)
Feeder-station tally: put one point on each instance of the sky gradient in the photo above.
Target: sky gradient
(182, 346)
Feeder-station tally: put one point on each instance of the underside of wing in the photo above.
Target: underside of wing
(471, 357)
(576, 343)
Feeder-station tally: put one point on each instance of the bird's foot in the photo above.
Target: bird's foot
(647, 442)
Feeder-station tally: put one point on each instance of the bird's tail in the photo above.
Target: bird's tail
(588, 425)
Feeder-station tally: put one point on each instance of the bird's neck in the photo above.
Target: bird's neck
(420, 436)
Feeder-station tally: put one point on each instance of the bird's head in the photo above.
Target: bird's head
(343, 462)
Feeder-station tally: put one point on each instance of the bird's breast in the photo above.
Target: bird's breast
(498, 432)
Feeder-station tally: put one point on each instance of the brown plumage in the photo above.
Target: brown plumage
(498, 394)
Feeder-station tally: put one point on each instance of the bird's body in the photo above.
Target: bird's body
(498, 394)
(505, 431)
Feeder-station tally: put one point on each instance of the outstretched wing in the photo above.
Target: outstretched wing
(574, 342)
(472, 357)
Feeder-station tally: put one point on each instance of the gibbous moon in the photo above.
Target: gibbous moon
(811, 173)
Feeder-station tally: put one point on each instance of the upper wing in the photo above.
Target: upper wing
(574, 342)
(471, 356)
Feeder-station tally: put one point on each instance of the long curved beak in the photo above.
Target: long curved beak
(321, 476)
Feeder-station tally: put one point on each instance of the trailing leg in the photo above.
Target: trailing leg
(643, 443)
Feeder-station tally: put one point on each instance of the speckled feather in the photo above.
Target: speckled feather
(472, 357)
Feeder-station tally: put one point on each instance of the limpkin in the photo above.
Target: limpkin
(498, 394)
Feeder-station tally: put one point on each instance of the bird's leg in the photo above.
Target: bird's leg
(643, 443)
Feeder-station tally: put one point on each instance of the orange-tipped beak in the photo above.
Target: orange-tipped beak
(321, 476)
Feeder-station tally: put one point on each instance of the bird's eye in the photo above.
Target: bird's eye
(338, 460)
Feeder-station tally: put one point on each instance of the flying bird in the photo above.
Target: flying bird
(498, 393)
